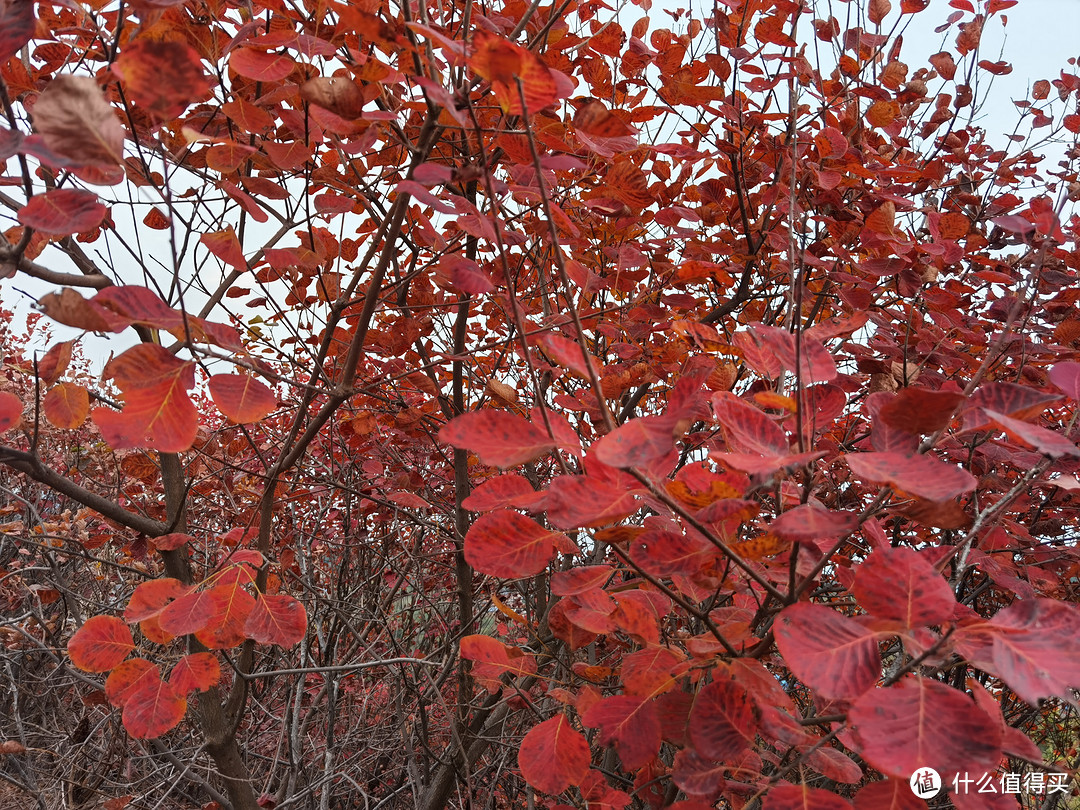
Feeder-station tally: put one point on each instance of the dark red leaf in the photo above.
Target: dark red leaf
(899, 584)
(917, 474)
(724, 720)
(803, 797)
(17, 26)
(631, 723)
(921, 410)
(834, 655)
(924, 723)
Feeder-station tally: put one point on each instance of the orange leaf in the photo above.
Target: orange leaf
(100, 644)
(54, 363)
(66, 405)
(505, 65)
(152, 597)
(127, 677)
(226, 247)
(882, 113)
(241, 398)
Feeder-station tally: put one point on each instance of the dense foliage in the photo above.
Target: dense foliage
(513, 405)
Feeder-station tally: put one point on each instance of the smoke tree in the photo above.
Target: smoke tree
(520, 405)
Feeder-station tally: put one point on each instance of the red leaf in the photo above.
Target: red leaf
(261, 66)
(1066, 378)
(889, 794)
(553, 756)
(636, 442)
(509, 489)
(498, 438)
(1036, 648)
(242, 398)
(834, 655)
(277, 619)
(1010, 399)
(664, 554)
(66, 405)
(576, 501)
(63, 211)
(509, 545)
(17, 26)
(648, 672)
(924, 723)
(632, 724)
(143, 63)
(129, 676)
(1047, 442)
(724, 720)
(197, 671)
(915, 474)
(188, 613)
(567, 353)
(814, 363)
(11, 408)
(899, 584)
(157, 412)
(226, 247)
(171, 542)
(580, 579)
(153, 709)
(809, 522)
(920, 410)
(803, 797)
(152, 597)
(492, 659)
(76, 121)
(835, 765)
(698, 775)
(100, 644)
(748, 429)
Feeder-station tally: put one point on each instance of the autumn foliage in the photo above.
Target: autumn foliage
(518, 405)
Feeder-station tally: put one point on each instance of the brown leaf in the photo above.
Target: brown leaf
(77, 122)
